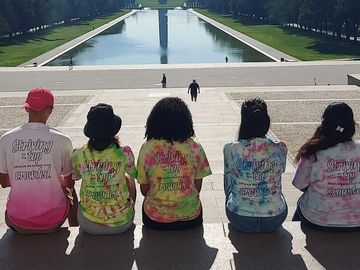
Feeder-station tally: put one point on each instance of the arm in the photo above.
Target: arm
(72, 198)
(198, 88)
(4, 176)
(131, 187)
(198, 184)
(4, 180)
(144, 188)
(303, 173)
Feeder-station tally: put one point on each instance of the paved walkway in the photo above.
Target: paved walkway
(295, 112)
(149, 76)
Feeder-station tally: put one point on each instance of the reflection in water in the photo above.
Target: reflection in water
(231, 45)
(163, 35)
(160, 36)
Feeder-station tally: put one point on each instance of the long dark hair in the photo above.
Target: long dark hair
(337, 126)
(255, 121)
(101, 144)
(171, 120)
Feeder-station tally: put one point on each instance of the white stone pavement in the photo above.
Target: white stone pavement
(216, 121)
(213, 246)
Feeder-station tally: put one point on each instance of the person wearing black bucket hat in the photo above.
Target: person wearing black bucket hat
(102, 123)
(107, 171)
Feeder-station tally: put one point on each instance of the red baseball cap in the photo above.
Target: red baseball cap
(38, 99)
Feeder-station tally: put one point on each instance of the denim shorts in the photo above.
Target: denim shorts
(256, 224)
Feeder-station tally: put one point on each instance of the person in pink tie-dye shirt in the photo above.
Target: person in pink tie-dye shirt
(328, 173)
(171, 166)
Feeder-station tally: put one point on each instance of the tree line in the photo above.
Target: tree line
(340, 18)
(21, 16)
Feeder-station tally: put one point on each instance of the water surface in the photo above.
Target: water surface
(161, 37)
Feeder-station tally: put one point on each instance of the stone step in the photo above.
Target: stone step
(212, 246)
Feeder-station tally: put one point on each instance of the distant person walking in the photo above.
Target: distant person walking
(226, 59)
(194, 89)
(71, 63)
(163, 81)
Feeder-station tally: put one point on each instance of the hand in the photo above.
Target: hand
(74, 204)
(72, 217)
(4, 180)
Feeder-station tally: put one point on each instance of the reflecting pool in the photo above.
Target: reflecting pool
(160, 37)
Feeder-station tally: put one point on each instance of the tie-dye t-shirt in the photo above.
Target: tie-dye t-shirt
(252, 171)
(332, 186)
(170, 169)
(104, 194)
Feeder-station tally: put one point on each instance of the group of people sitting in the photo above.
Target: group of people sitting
(39, 165)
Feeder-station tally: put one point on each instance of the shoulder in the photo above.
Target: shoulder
(228, 146)
(306, 162)
(192, 141)
(127, 150)
(80, 151)
(10, 133)
(278, 144)
(147, 146)
(193, 144)
(59, 135)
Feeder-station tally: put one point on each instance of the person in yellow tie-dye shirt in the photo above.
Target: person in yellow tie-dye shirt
(171, 166)
(107, 170)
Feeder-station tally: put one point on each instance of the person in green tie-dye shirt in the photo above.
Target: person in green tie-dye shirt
(171, 166)
(107, 170)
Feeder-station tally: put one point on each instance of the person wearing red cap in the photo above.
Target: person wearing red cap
(35, 162)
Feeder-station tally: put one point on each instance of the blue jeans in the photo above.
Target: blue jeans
(252, 224)
(256, 224)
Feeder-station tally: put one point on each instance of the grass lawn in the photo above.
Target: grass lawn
(155, 3)
(17, 50)
(300, 44)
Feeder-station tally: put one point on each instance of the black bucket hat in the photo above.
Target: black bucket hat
(102, 123)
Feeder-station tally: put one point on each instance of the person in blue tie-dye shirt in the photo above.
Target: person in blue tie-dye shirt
(253, 166)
